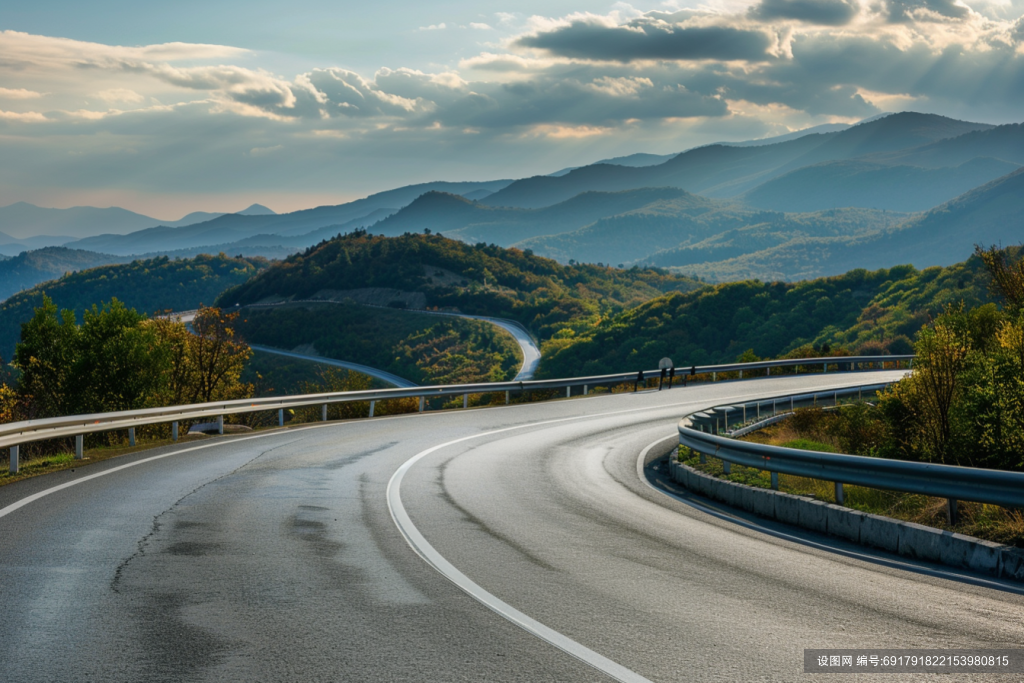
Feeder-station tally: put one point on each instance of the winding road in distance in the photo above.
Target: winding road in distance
(315, 553)
(527, 345)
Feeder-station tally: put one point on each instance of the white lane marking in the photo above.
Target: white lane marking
(422, 547)
(949, 575)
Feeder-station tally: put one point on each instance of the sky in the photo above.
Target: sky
(167, 108)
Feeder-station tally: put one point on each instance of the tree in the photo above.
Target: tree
(111, 362)
(122, 359)
(48, 357)
(216, 358)
(1007, 274)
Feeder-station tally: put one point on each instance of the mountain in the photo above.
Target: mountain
(257, 210)
(150, 286)
(727, 170)
(1000, 142)
(694, 230)
(30, 268)
(990, 214)
(233, 227)
(474, 222)
(861, 183)
(22, 220)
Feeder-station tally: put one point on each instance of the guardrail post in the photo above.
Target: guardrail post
(775, 481)
(323, 413)
(79, 447)
(131, 436)
(506, 397)
(727, 467)
(465, 400)
(14, 459)
(586, 390)
(951, 510)
(744, 413)
(741, 374)
(174, 431)
(768, 372)
(714, 376)
(422, 401)
(840, 498)
(220, 424)
(280, 417)
(568, 392)
(372, 405)
(824, 367)
(703, 459)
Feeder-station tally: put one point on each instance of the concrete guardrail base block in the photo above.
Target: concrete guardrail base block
(787, 508)
(880, 532)
(813, 515)
(844, 522)
(919, 542)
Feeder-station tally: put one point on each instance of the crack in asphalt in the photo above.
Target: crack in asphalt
(144, 541)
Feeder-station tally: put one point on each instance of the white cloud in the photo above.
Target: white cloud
(434, 27)
(19, 94)
(480, 26)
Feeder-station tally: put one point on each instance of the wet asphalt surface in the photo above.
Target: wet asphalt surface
(275, 558)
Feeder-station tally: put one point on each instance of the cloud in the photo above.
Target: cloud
(820, 12)
(480, 26)
(120, 95)
(19, 94)
(434, 27)
(925, 10)
(650, 39)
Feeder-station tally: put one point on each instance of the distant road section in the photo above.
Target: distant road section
(365, 369)
(531, 352)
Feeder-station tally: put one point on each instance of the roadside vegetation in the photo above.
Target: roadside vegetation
(869, 313)
(150, 286)
(963, 405)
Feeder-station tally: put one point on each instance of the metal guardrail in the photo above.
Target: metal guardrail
(701, 431)
(15, 433)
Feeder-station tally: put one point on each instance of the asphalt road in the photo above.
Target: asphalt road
(277, 558)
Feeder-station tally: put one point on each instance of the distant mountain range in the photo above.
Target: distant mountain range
(27, 223)
(917, 188)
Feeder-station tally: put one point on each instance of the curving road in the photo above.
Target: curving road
(382, 375)
(289, 556)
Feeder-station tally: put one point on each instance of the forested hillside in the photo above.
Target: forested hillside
(427, 349)
(865, 311)
(480, 279)
(149, 286)
(29, 268)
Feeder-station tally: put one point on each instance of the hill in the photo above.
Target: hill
(149, 286)
(870, 311)
(29, 268)
(423, 271)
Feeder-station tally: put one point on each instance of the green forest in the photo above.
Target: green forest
(864, 312)
(148, 286)
(480, 279)
(427, 349)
